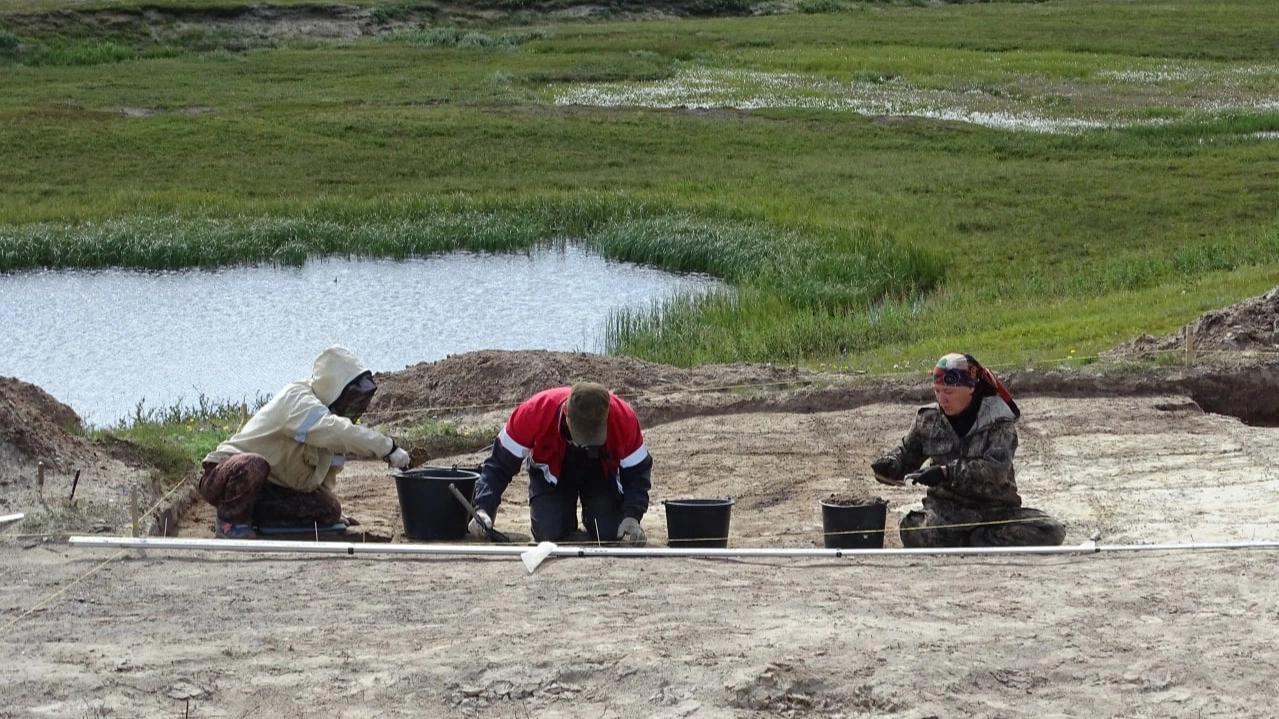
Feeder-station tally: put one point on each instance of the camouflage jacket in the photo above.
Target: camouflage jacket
(979, 466)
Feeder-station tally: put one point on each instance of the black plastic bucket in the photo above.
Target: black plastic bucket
(855, 526)
(698, 522)
(430, 511)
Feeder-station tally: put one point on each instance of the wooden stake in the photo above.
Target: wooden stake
(1190, 346)
(133, 508)
(74, 482)
(40, 479)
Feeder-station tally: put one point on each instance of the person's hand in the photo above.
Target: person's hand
(480, 525)
(887, 471)
(630, 532)
(930, 477)
(398, 458)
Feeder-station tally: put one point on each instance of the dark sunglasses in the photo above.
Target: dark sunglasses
(952, 378)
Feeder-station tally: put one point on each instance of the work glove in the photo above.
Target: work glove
(930, 477)
(480, 525)
(630, 532)
(887, 471)
(398, 458)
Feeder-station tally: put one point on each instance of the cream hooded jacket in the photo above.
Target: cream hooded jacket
(305, 444)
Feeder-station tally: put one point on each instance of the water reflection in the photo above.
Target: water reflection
(103, 340)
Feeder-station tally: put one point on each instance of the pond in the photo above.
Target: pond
(104, 340)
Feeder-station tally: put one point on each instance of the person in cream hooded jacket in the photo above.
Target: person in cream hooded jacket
(282, 466)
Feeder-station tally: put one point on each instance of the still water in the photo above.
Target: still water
(103, 340)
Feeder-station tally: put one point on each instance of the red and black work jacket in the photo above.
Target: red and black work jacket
(536, 435)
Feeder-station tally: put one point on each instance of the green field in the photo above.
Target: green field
(1017, 180)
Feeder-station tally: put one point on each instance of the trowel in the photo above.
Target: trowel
(890, 481)
(494, 535)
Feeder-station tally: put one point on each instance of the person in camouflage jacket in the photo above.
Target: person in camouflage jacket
(970, 437)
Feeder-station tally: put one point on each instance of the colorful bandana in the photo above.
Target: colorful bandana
(956, 370)
(961, 370)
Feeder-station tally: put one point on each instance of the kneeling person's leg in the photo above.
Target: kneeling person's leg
(1024, 527)
(927, 530)
(235, 486)
(284, 507)
(601, 510)
(552, 510)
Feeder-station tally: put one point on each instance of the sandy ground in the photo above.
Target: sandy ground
(1141, 635)
(1108, 636)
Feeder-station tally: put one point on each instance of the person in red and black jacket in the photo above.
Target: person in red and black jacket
(578, 442)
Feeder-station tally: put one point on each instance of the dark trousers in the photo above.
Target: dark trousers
(1021, 527)
(239, 488)
(553, 508)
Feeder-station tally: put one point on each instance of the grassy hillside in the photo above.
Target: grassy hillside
(1019, 180)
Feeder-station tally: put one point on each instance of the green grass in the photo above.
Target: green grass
(463, 38)
(63, 518)
(1061, 331)
(176, 437)
(896, 238)
(441, 438)
(10, 43)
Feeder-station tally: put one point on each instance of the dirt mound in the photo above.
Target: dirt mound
(1251, 325)
(478, 385)
(1246, 388)
(242, 26)
(494, 379)
(856, 497)
(237, 28)
(36, 427)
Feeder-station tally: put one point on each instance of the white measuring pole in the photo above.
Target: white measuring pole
(485, 550)
(11, 518)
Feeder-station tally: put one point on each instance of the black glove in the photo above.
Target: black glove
(887, 470)
(930, 477)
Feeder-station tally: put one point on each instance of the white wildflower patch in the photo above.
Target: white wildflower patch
(1166, 73)
(1065, 108)
(711, 88)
